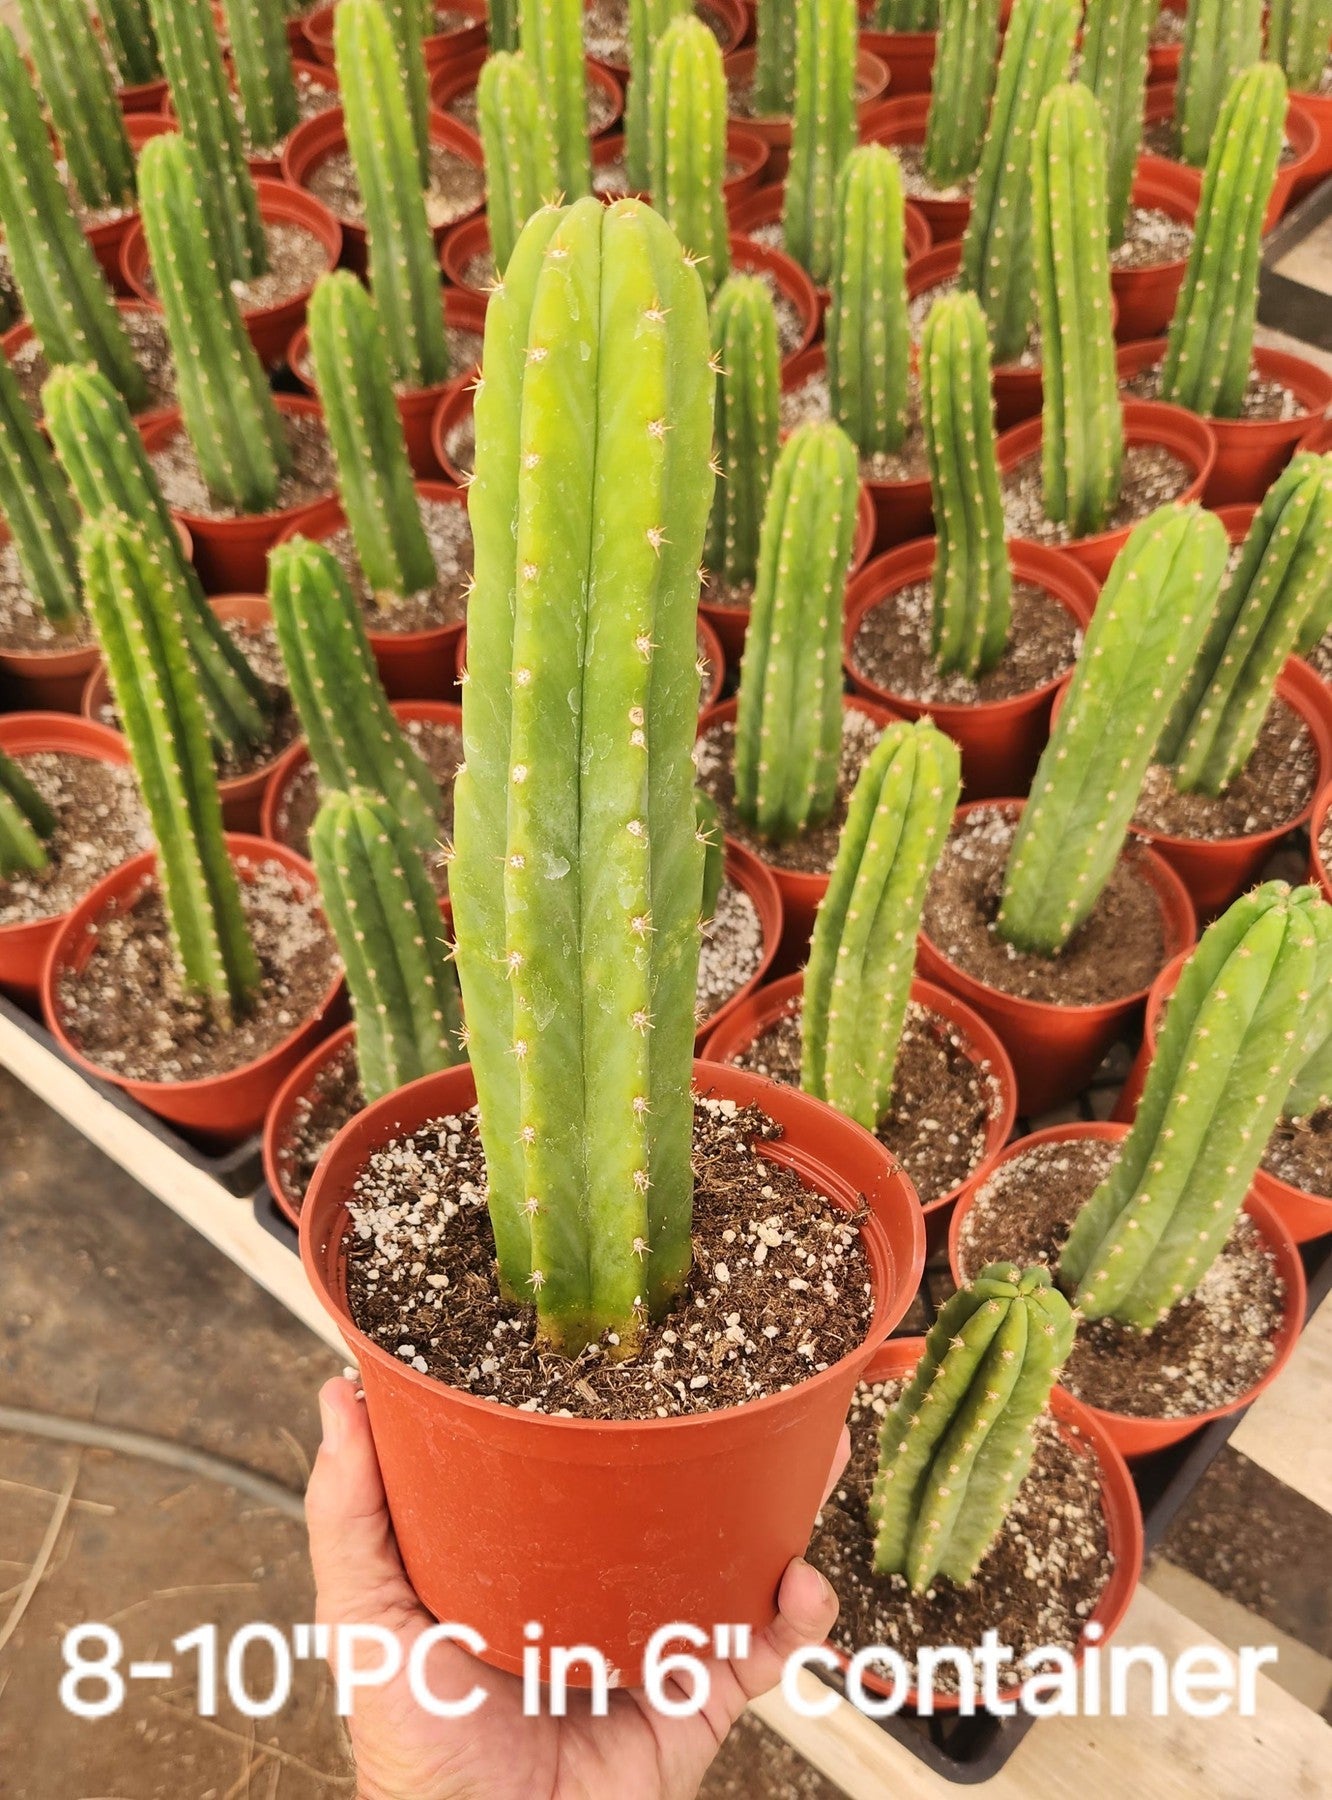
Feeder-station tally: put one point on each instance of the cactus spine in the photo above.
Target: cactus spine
(1115, 45)
(964, 67)
(264, 78)
(577, 869)
(1298, 33)
(956, 1447)
(1222, 38)
(79, 91)
(503, 25)
(135, 600)
(385, 917)
(1082, 429)
(996, 249)
(648, 20)
(863, 955)
(26, 822)
(775, 58)
(1232, 1034)
(1143, 637)
(744, 339)
(39, 510)
(519, 150)
(788, 729)
(403, 270)
(907, 15)
(687, 154)
(1210, 345)
(972, 581)
(552, 38)
(823, 128)
(868, 335)
(129, 30)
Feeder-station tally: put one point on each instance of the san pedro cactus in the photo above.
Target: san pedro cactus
(519, 150)
(129, 31)
(502, 21)
(957, 1446)
(744, 338)
(1310, 1090)
(823, 129)
(648, 20)
(775, 58)
(404, 272)
(1144, 635)
(70, 306)
(687, 144)
(552, 39)
(1082, 427)
(707, 816)
(1298, 35)
(1222, 38)
(1210, 344)
(26, 823)
(135, 600)
(868, 333)
(996, 250)
(906, 15)
(264, 78)
(577, 868)
(385, 916)
(788, 729)
(1115, 43)
(39, 510)
(201, 96)
(78, 90)
(964, 68)
(1232, 1033)
(863, 955)
(409, 22)
(972, 581)
(351, 364)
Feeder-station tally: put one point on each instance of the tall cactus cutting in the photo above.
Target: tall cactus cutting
(648, 20)
(1115, 45)
(129, 31)
(552, 39)
(577, 869)
(744, 339)
(26, 823)
(39, 510)
(519, 150)
(863, 955)
(84, 109)
(775, 57)
(964, 69)
(823, 128)
(1222, 38)
(1298, 35)
(264, 78)
(502, 22)
(408, 22)
(868, 333)
(956, 1447)
(687, 144)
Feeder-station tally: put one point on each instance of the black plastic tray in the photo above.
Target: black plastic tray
(1285, 303)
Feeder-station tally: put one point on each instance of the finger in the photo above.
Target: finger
(806, 1613)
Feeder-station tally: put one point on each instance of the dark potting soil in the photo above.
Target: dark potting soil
(1152, 476)
(916, 184)
(779, 1287)
(1151, 238)
(319, 1115)
(600, 109)
(296, 260)
(313, 475)
(1115, 952)
(449, 534)
(606, 30)
(128, 1013)
(152, 351)
(24, 625)
(1299, 1152)
(1264, 398)
(812, 401)
(893, 648)
(1272, 788)
(1211, 1347)
(100, 823)
(456, 187)
(1035, 1586)
(815, 851)
(942, 1101)
(731, 950)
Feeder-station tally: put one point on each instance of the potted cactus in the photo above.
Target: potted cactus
(1299, 39)
(127, 26)
(903, 34)
(460, 34)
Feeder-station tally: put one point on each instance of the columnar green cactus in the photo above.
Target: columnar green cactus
(1115, 44)
(648, 20)
(868, 332)
(972, 580)
(577, 869)
(201, 96)
(744, 340)
(552, 39)
(519, 150)
(823, 129)
(78, 89)
(1310, 1090)
(1298, 34)
(1233, 1033)
(1210, 344)
(404, 272)
(264, 78)
(129, 30)
(788, 729)
(687, 151)
(385, 916)
(775, 58)
(964, 68)
(1143, 637)
(1222, 38)
(863, 955)
(64, 295)
(135, 600)
(907, 15)
(26, 822)
(39, 510)
(1082, 427)
(996, 249)
(409, 21)
(956, 1447)
(502, 17)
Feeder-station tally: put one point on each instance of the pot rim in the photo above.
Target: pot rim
(1311, 386)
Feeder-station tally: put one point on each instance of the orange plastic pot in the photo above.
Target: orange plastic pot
(1000, 740)
(45, 680)
(907, 55)
(18, 335)
(1135, 1436)
(455, 405)
(626, 1525)
(1319, 166)
(1055, 1050)
(745, 871)
(107, 237)
(871, 85)
(280, 1119)
(735, 18)
(1318, 439)
(438, 49)
(1302, 133)
(903, 121)
(450, 80)
(1146, 297)
(765, 204)
(222, 1109)
(147, 97)
(1163, 59)
(751, 258)
(1318, 868)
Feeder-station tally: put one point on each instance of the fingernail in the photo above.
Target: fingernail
(332, 1424)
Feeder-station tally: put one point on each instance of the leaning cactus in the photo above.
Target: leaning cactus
(519, 150)
(972, 580)
(64, 295)
(1222, 38)
(404, 272)
(39, 510)
(84, 109)
(863, 955)
(996, 250)
(964, 67)
(868, 333)
(385, 916)
(956, 1447)
(1298, 34)
(129, 29)
(135, 601)
(1082, 427)
(775, 58)
(1210, 344)
(26, 823)
(744, 341)
(1115, 45)
(788, 729)
(552, 39)
(1232, 1034)
(502, 21)
(823, 129)
(264, 78)
(687, 144)
(1144, 635)
(648, 20)
(907, 15)
(577, 870)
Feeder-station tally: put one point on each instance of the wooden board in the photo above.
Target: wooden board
(1286, 1431)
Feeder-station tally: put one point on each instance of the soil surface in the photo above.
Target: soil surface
(23, 624)
(716, 592)
(312, 98)
(318, 1117)
(740, 99)
(456, 187)
(1152, 237)
(731, 951)
(296, 260)
(790, 323)
(1272, 788)
(812, 402)
(100, 823)
(916, 184)
(1152, 476)
(152, 351)
(1264, 398)
(1299, 1152)
(313, 475)
(460, 443)
(449, 534)
(600, 109)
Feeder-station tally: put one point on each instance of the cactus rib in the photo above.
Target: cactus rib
(521, 173)
(687, 144)
(1222, 38)
(823, 129)
(79, 91)
(964, 71)
(744, 339)
(868, 335)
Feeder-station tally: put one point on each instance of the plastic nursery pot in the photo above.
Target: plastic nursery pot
(1319, 108)
(440, 48)
(1145, 422)
(903, 121)
(15, 339)
(23, 947)
(1318, 864)
(1017, 387)
(221, 1108)
(871, 85)
(1146, 296)
(1302, 134)
(455, 408)
(45, 680)
(790, 280)
(1000, 740)
(730, 20)
(108, 236)
(765, 204)
(746, 157)
(745, 871)
(1318, 438)
(451, 80)
(1163, 58)
(146, 97)
(908, 57)
(280, 1119)
(1136, 1436)
(627, 1525)
(1055, 1049)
